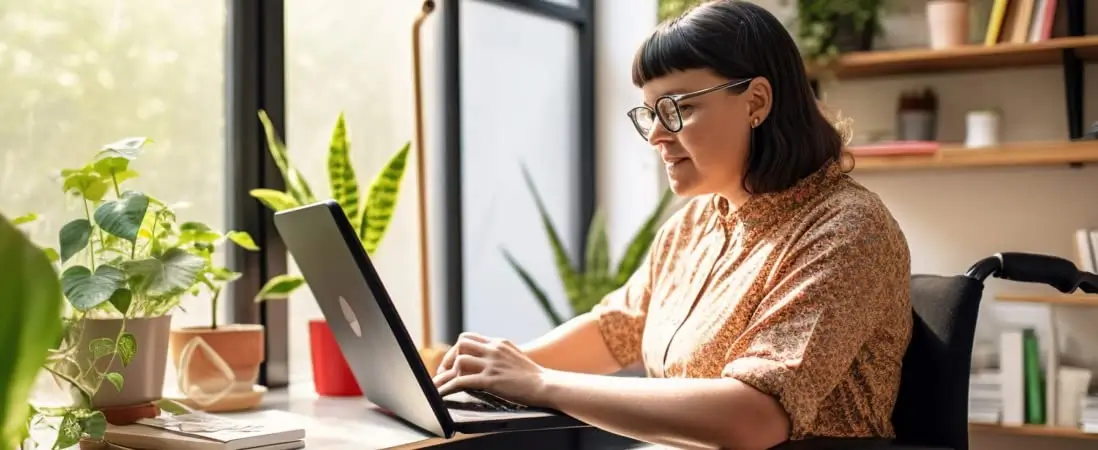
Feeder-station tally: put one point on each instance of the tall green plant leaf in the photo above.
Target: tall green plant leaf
(638, 247)
(30, 323)
(535, 289)
(381, 200)
(275, 200)
(74, 237)
(341, 175)
(568, 275)
(596, 268)
(295, 183)
(280, 287)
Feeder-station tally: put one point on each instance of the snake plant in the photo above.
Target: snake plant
(370, 217)
(585, 286)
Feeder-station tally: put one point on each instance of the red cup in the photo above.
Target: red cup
(331, 374)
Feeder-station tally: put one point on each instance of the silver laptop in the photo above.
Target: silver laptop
(375, 341)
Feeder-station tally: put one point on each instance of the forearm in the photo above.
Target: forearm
(574, 346)
(685, 413)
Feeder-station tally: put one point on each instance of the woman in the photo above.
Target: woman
(772, 307)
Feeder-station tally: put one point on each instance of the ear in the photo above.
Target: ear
(759, 99)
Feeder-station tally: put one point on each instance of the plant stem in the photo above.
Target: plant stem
(91, 242)
(114, 179)
(213, 312)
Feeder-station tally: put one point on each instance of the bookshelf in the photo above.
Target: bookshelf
(1033, 430)
(970, 58)
(1051, 299)
(1024, 154)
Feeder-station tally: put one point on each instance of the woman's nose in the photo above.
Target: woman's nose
(658, 133)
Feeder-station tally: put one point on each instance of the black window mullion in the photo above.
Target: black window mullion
(255, 80)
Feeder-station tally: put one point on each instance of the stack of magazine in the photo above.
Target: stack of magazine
(203, 431)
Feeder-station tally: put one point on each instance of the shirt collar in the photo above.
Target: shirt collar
(764, 210)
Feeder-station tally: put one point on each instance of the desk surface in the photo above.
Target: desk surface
(338, 423)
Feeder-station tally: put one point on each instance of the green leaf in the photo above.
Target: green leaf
(51, 254)
(116, 379)
(275, 200)
(169, 274)
(74, 237)
(172, 407)
(123, 217)
(101, 347)
(26, 218)
(197, 232)
(597, 263)
(224, 275)
(86, 182)
(279, 287)
(127, 348)
(68, 433)
(638, 246)
(537, 291)
(341, 175)
(110, 166)
(381, 202)
(568, 275)
(30, 324)
(243, 239)
(86, 290)
(295, 183)
(93, 423)
(121, 300)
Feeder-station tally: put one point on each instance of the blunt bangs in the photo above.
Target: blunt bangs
(668, 49)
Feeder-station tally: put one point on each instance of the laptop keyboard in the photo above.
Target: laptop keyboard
(484, 401)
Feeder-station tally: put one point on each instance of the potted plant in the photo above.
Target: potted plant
(826, 29)
(217, 364)
(370, 216)
(126, 265)
(586, 286)
(30, 324)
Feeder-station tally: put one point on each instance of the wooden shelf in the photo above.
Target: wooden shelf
(1033, 430)
(1051, 299)
(960, 59)
(1018, 154)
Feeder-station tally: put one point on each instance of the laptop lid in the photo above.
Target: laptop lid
(361, 315)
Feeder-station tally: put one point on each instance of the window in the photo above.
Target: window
(336, 63)
(79, 74)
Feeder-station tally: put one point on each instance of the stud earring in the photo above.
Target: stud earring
(754, 122)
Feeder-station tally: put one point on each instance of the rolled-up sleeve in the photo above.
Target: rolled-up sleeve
(835, 289)
(622, 313)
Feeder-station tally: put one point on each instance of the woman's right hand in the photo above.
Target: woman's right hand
(575, 346)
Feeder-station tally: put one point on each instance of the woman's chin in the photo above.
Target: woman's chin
(682, 187)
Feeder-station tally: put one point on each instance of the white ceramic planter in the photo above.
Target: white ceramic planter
(143, 378)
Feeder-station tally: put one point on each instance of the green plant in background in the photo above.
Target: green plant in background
(824, 29)
(585, 288)
(127, 257)
(370, 217)
(30, 324)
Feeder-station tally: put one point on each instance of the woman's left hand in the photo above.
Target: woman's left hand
(494, 365)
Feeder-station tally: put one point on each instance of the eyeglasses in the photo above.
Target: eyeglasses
(667, 110)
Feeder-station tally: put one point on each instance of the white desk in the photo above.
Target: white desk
(339, 423)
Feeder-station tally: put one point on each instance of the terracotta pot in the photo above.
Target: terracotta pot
(213, 363)
(143, 378)
(948, 23)
(331, 374)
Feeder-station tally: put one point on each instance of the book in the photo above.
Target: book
(204, 431)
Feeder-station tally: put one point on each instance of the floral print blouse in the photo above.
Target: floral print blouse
(802, 294)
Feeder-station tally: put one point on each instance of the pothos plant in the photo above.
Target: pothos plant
(824, 29)
(370, 216)
(586, 286)
(128, 256)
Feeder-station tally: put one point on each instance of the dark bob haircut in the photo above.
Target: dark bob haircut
(737, 39)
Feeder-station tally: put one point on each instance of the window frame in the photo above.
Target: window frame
(582, 18)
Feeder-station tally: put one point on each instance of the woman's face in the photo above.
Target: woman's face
(708, 154)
